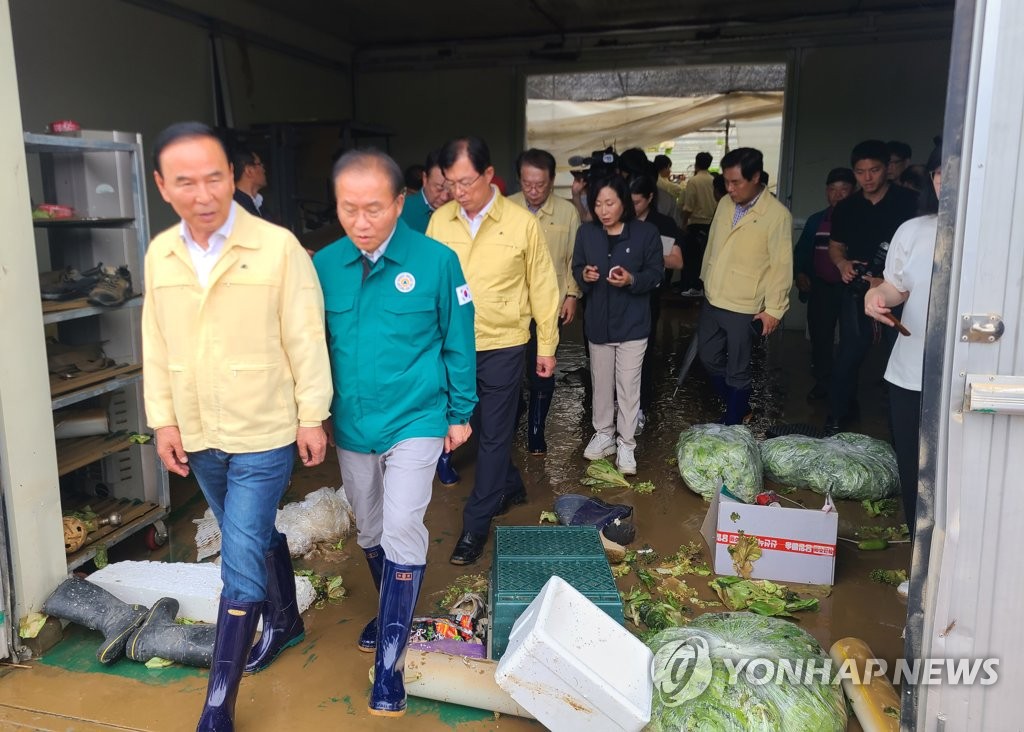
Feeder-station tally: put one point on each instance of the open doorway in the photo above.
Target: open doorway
(675, 111)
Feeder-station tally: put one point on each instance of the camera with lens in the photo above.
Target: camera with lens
(600, 164)
(858, 285)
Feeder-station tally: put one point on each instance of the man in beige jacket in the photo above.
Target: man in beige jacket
(236, 377)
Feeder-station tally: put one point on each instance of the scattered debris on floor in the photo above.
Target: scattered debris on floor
(601, 474)
(325, 588)
(894, 577)
(763, 597)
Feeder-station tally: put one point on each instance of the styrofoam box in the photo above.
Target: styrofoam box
(573, 667)
(196, 587)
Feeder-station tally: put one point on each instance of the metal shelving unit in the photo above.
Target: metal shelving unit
(101, 176)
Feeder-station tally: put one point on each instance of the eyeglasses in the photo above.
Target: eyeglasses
(533, 186)
(372, 213)
(465, 185)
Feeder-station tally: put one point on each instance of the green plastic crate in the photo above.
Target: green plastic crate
(525, 557)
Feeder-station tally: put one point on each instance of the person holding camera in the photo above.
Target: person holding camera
(617, 262)
(747, 273)
(862, 227)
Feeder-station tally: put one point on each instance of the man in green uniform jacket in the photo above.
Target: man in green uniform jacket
(403, 360)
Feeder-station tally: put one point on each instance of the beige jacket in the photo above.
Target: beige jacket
(559, 221)
(509, 271)
(749, 268)
(240, 365)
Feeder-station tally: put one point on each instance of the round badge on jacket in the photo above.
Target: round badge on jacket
(405, 282)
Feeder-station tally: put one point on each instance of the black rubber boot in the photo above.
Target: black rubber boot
(87, 604)
(282, 624)
(375, 559)
(400, 589)
(160, 637)
(236, 626)
(540, 403)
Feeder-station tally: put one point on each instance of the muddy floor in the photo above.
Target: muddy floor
(322, 683)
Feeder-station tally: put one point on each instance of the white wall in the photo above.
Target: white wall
(111, 65)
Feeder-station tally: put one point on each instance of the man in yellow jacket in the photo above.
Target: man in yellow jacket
(747, 273)
(236, 377)
(508, 268)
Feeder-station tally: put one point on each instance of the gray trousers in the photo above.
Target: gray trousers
(389, 494)
(615, 370)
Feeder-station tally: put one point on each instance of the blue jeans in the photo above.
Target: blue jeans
(243, 490)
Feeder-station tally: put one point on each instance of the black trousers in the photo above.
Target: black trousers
(646, 375)
(725, 342)
(856, 334)
(905, 425)
(693, 255)
(823, 308)
(499, 374)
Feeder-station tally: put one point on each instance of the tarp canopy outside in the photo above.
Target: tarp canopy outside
(566, 128)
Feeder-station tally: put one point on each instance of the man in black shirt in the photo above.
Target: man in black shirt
(862, 227)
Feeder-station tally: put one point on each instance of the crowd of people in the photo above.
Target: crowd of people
(416, 330)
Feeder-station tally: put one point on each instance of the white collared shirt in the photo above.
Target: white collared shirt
(477, 221)
(258, 200)
(204, 260)
(379, 251)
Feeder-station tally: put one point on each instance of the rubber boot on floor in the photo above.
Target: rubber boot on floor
(89, 605)
(738, 406)
(375, 560)
(282, 624)
(160, 637)
(236, 626)
(400, 588)
(540, 403)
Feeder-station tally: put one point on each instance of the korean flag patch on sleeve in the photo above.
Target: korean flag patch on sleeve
(462, 292)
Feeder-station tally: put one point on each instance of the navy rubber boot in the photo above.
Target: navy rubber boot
(720, 387)
(374, 558)
(282, 624)
(737, 407)
(236, 626)
(400, 588)
(540, 403)
(445, 472)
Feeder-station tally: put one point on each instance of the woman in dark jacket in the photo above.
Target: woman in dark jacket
(617, 262)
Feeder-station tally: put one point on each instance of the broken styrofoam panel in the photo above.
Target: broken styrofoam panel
(196, 587)
(323, 515)
(207, 536)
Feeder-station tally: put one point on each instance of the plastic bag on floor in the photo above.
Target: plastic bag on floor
(727, 697)
(853, 466)
(323, 515)
(711, 455)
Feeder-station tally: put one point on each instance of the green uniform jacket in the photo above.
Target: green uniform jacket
(403, 354)
(416, 212)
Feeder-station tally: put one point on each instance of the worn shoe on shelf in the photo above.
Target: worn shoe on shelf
(68, 283)
(113, 286)
(599, 446)
(625, 461)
